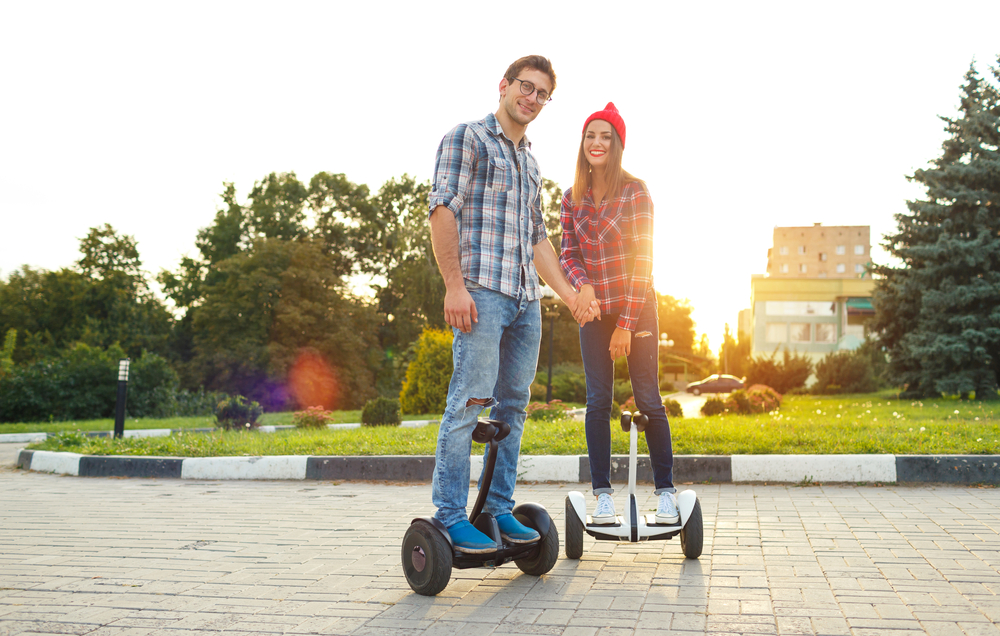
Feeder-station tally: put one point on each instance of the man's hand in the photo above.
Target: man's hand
(459, 309)
(621, 343)
(586, 307)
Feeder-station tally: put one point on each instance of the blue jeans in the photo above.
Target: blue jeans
(494, 363)
(595, 338)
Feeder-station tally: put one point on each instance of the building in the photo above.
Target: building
(816, 296)
(819, 252)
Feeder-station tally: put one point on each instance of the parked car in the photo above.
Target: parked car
(718, 383)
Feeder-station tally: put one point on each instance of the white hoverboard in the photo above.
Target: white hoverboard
(633, 527)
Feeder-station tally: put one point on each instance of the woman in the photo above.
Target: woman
(607, 247)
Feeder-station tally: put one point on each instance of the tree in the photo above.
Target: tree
(675, 320)
(281, 306)
(552, 196)
(734, 355)
(938, 314)
(106, 300)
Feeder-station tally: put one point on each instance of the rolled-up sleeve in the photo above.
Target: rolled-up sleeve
(642, 273)
(570, 255)
(453, 169)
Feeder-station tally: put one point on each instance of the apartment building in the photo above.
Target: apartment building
(841, 251)
(816, 296)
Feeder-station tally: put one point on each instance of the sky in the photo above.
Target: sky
(741, 116)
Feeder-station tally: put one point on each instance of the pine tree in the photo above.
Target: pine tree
(938, 315)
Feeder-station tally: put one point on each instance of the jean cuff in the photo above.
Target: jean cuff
(660, 491)
(604, 491)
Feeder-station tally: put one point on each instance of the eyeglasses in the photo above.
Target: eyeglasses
(527, 88)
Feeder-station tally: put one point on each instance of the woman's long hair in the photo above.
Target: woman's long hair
(614, 175)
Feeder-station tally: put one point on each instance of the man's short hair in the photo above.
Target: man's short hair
(537, 62)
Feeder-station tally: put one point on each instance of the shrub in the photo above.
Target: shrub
(622, 391)
(200, 402)
(569, 387)
(629, 405)
(666, 386)
(539, 391)
(312, 417)
(541, 412)
(673, 408)
(757, 399)
(845, 372)
(616, 411)
(237, 412)
(768, 397)
(789, 373)
(81, 383)
(425, 389)
(381, 412)
(713, 406)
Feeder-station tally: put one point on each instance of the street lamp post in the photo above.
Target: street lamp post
(665, 343)
(552, 313)
(122, 394)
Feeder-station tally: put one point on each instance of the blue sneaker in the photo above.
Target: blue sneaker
(514, 531)
(466, 538)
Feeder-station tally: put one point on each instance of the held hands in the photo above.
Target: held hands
(586, 307)
(621, 343)
(459, 309)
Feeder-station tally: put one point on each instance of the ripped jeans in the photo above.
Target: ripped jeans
(643, 368)
(494, 365)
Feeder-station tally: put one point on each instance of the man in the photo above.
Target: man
(490, 244)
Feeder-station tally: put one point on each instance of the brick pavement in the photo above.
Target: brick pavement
(137, 557)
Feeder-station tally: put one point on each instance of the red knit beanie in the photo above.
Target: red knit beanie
(609, 114)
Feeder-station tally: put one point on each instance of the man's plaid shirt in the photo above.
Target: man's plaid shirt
(611, 249)
(494, 191)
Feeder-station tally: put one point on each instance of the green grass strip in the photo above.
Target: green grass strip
(863, 424)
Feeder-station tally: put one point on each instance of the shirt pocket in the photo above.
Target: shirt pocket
(499, 175)
(609, 228)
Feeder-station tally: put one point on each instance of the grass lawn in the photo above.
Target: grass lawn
(205, 421)
(870, 423)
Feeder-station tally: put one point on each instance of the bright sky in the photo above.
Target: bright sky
(740, 115)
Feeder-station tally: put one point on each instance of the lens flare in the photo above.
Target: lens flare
(312, 381)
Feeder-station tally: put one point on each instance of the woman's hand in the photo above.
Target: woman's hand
(621, 343)
(587, 307)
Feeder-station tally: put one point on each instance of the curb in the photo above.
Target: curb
(18, 438)
(952, 469)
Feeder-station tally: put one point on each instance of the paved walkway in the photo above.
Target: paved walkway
(136, 557)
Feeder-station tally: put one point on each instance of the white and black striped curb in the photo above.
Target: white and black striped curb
(959, 469)
(30, 438)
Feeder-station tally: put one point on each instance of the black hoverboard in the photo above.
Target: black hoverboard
(429, 555)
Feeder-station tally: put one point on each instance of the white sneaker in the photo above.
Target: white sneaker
(605, 512)
(666, 512)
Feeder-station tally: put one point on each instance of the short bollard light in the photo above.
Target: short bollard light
(122, 392)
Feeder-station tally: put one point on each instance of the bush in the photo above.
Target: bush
(237, 412)
(381, 412)
(425, 389)
(541, 412)
(845, 372)
(629, 405)
(666, 386)
(200, 402)
(312, 417)
(616, 411)
(622, 391)
(673, 408)
(569, 387)
(82, 383)
(713, 406)
(789, 373)
(757, 399)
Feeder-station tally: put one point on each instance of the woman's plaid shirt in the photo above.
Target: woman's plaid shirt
(611, 249)
(494, 191)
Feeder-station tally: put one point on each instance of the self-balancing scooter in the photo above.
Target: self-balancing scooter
(633, 527)
(429, 555)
